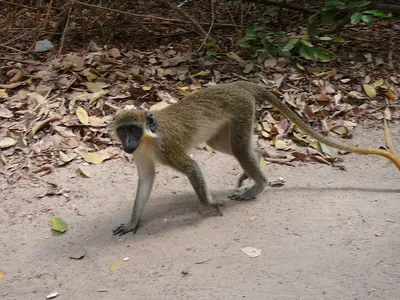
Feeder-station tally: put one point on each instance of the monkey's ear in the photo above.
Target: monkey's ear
(151, 122)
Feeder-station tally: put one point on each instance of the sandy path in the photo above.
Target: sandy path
(326, 234)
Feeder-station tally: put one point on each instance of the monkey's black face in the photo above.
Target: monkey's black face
(129, 135)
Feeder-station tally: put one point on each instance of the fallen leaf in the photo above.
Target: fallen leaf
(7, 142)
(96, 121)
(356, 95)
(52, 295)
(277, 183)
(340, 129)
(391, 95)
(86, 171)
(58, 224)
(40, 125)
(115, 266)
(3, 93)
(234, 56)
(378, 82)
(282, 145)
(251, 251)
(95, 157)
(114, 52)
(270, 62)
(94, 87)
(1, 274)
(323, 98)
(6, 113)
(369, 90)
(77, 252)
(159, 106)
(67, 157)
(82, 115)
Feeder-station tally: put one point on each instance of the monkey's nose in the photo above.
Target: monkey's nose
(130, 150)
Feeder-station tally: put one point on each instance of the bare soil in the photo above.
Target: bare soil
(326, 234)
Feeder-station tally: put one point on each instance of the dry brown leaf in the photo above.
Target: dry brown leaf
(7, 142)
(66, 158)
(340, 129)
(40, 125)
(95, 157)
(356, 95)
(391, 94)
(234, 56)
(6, 113)
(114, 52)
(86, 171)
(96, 121)
(270, 62)
(322, 98)
(159, 106)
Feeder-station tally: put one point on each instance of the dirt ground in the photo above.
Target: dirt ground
(326, 234)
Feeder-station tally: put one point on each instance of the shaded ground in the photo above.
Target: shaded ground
(326, 234)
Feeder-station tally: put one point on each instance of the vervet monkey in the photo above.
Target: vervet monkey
(222, 116)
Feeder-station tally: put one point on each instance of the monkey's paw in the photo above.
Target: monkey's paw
(242, 195)
(125, 228)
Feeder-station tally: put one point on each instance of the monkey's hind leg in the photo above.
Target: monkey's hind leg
(242, 150)
(191, 169)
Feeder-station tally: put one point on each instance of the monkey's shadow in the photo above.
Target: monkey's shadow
(182, 210)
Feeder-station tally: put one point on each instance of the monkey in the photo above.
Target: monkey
(222, 116)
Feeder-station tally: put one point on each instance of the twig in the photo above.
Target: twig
(19, 5)
(64, 31)
(130, 14)
(285, 5)
(211, 25)
(12, 48)
(279, 17)
(282, 161)
(42, 27)
(185, 16)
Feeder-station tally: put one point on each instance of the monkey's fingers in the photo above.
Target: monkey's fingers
(123, 229)
(218, 211)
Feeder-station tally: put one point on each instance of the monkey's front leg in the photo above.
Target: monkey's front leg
(147, 172)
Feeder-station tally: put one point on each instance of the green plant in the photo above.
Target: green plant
(311, 46)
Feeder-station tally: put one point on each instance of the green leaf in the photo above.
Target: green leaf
(211, 43)
(58, 224)
(258, 28)
(307, 52)
(358, 4)
(290, 45)
(379, 14)
(245, 45)
(322, 55)
(211, 52)
(368, 19)
(325, 38)
(312, 30)
(307, 43)
(356, 18)
(327, 17)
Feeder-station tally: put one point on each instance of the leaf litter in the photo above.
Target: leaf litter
(68, 105)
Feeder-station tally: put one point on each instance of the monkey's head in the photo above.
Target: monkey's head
(132, 125)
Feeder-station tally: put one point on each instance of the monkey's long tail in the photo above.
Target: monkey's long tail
(264, 94)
